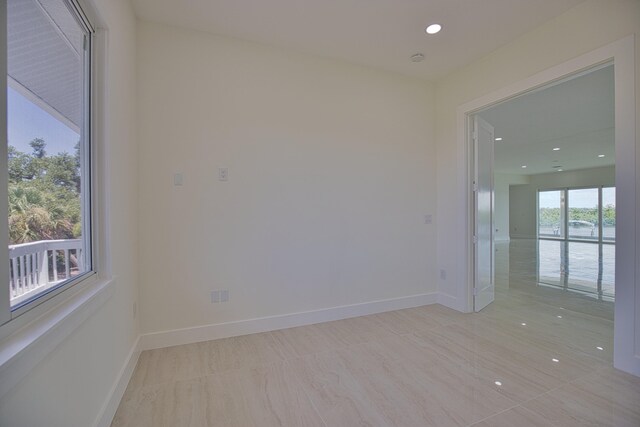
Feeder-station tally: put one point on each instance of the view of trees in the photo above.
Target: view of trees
(551, 216)
(44, 194)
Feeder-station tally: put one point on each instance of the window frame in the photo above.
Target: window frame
(565, 214)
(47, 298)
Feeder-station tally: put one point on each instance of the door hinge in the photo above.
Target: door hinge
(475, 136)
(475, 292)
(475, 186)
(475, 239)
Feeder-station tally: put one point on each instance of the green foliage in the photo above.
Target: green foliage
(549, 217)
(584, 214)
(44, 194)
(38, 145)
(609, 215)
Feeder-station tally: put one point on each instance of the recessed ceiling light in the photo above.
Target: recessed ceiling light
(556, 149)
(555, 360)
(523, 166)
(498, 139)
(559, 170)
(498, 383)
(418, 57)
(433, 28)
(600, 348)
(600, 155)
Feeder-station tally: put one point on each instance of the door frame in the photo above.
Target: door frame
(621, 54)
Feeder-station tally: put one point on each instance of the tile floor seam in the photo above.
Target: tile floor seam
(544, 393)
(385, 337)
(493, 415)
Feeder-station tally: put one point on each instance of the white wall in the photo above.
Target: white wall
(586, 27)
(524, 197)
(502, 182)
(331, 171)
(71, 385)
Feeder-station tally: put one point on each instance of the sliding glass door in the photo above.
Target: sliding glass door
(583, 208)
(609, 214)
(551, 214)
(577, 233)
(586, 214)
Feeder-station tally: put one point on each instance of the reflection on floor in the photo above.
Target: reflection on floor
(537, 356)
(517, 276)
(582, 266)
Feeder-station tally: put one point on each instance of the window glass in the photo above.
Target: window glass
(609, 214)
(551, 214)
(48, 148)
(583, 214)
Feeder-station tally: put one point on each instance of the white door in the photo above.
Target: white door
(484, 285)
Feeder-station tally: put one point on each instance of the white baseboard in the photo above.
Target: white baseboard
(251, 326)
(108, 411)
(450, 302)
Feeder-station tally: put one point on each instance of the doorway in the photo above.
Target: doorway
(554, 150)
(627, 342)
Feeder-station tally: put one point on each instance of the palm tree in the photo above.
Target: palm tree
(30, 221)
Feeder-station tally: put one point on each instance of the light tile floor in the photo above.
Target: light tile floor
(529, 359)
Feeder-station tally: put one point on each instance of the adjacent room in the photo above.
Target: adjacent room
(335, 213)
(554, 209)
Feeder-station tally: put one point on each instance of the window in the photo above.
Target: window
(47, 184)
(576, 245)
(586, 214)
(551, 213)
(609, 213)
(583, 213)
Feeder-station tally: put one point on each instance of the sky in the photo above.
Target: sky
(27, 121)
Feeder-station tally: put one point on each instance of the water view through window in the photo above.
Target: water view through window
(576, 245)
(551, 213)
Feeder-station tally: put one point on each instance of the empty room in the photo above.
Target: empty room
(336, 213)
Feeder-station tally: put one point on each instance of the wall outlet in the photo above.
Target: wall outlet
(443, 274)
(428, 219)
(178, 179)
(223, 174)
(219, 296)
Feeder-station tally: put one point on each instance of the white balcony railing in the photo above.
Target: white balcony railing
(37, 266)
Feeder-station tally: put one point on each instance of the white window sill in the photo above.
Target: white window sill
(22, 349)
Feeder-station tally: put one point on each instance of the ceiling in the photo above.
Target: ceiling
(44, 32)
(377, 33)
(576, 116)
